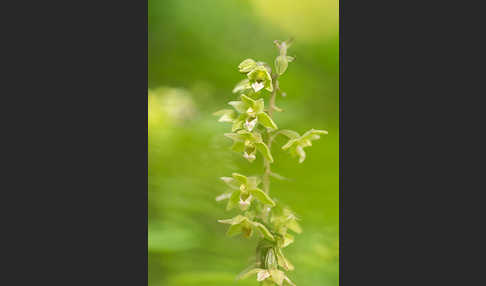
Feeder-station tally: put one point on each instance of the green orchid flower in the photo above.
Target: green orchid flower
(248, 143)
(275, 224)
(243, 191)
(283, 220)
(238, 224)
(242, 224)
(272, 258)
(260, 78)
(297, 143)
(251, 113)
(268, 277)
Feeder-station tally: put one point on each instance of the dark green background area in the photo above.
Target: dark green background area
(195, 47)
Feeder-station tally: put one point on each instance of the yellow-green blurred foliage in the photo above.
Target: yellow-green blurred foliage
(308, 20)
(194, 49)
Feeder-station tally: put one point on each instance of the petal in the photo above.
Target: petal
(250, 157)
(257, 86)
(267, 121)
(262, 275)
(250, 123)
(224, 196)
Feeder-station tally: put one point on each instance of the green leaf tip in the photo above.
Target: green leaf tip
(296, 144)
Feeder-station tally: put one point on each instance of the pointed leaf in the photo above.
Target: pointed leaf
(223, 196)
(288, 239)
(226, 221)
(278, 108)
(289, 133)
(247, 101)
(231, 182)
(283, 262)
(262, 147)
(225, 115)
(266, 121)
(237, 124)
(242, 86)
(289, 143)
(313, 134)
(240, 106)
(233, 136)
(235, 220)
(294, 226)
(264, 231)
(247, 231)
(262, 197)
(233, 200)
(277, 276)
(259, 105)
(234, 229)
(288, 281)
(240, 178)
(277, 176)
(253, 182)
(246, 274)
(238, 146)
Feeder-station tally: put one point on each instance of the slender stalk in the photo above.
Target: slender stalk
(266, 164)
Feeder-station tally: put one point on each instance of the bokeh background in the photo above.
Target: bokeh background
(195, 47)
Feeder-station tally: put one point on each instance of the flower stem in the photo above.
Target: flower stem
(266, 164)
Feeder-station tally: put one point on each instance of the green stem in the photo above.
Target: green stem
(266, 164)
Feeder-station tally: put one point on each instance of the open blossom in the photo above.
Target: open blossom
(243, 191)
(297, 143)
(269, 276)
(250, 112)
(260, 78)
(248, 143)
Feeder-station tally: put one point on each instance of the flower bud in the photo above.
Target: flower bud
(270, 260)
(247, 65)
(281, 64)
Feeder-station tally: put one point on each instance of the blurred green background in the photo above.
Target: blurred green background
(195, 47)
